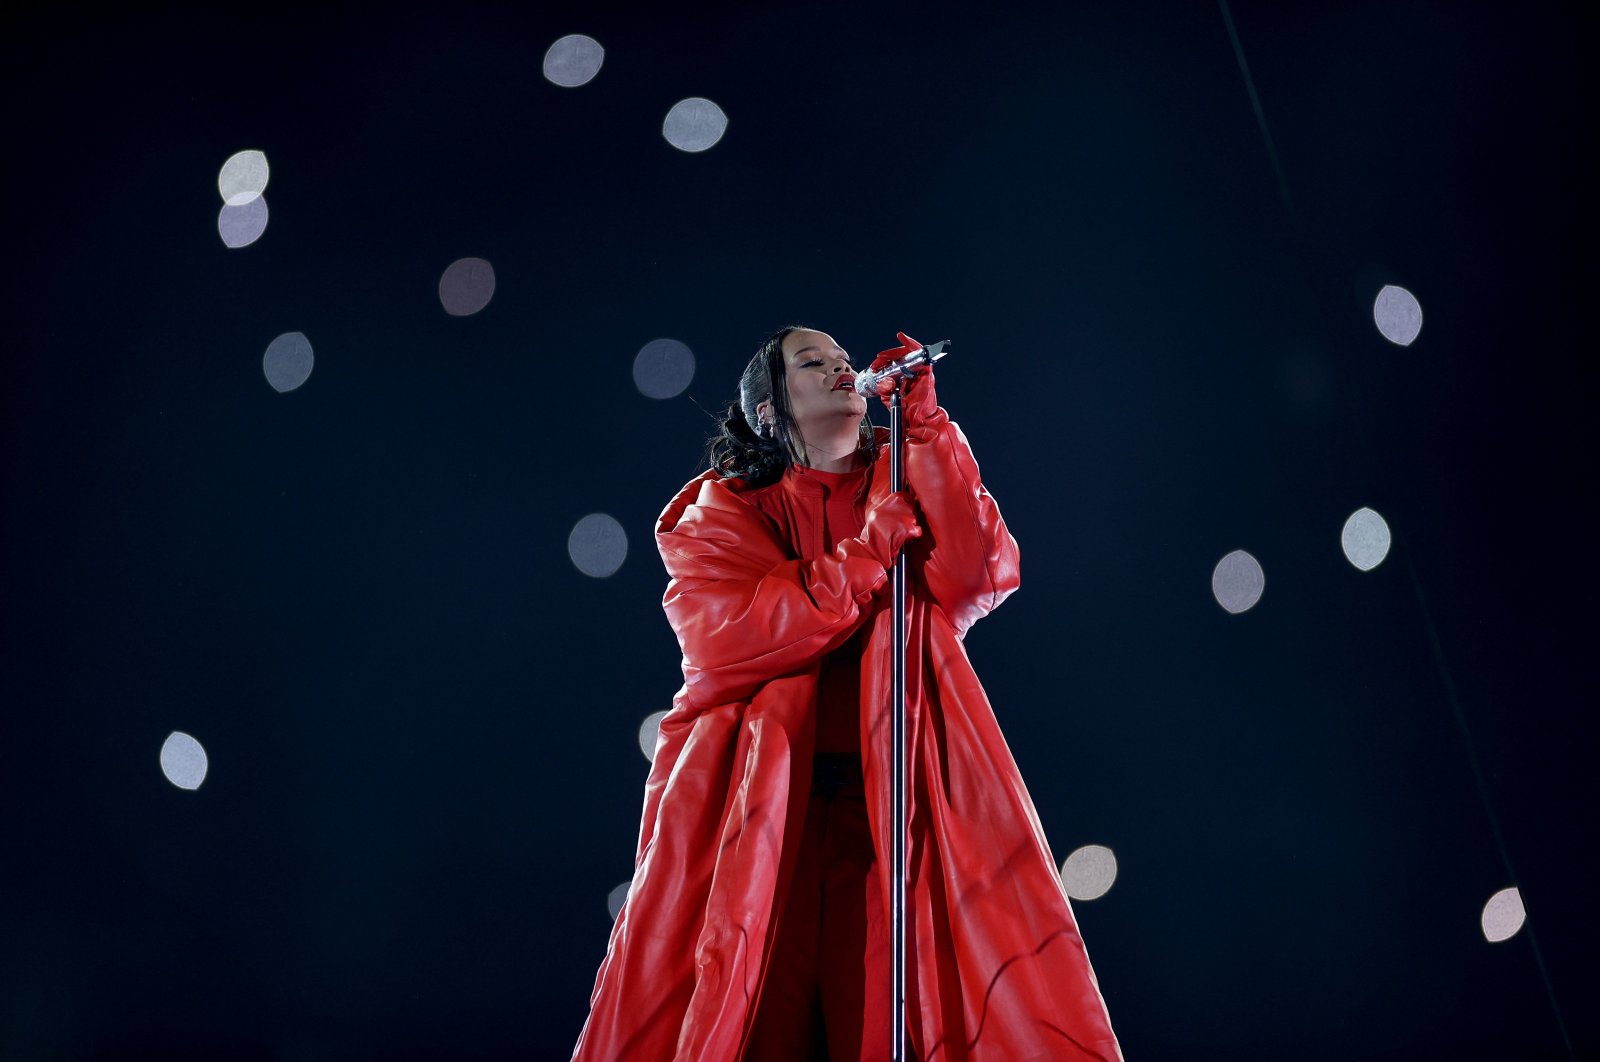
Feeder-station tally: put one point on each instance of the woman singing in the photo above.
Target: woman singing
(757, 924)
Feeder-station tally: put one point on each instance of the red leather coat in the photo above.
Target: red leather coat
(996, 968)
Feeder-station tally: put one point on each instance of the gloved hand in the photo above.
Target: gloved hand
(919, 402)
(889, 524)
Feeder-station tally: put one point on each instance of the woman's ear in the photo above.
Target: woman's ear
(764, 413)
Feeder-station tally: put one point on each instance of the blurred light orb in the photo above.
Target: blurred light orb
(243, 177)
(597, 545)
(616, 898)
(694, 124)
(573, 60)
(1398, 315)
(288, 361)
(649, 730)
(1089, 873)
(183, 760)
(663, 368)
(1365, 539)
(466, 286)
(240, 226)
(1503, 915)
(1237, 581)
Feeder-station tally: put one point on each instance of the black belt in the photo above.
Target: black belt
(833, 771)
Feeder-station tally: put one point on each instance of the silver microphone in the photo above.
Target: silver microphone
(867, 383)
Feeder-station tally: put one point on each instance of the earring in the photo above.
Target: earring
(766, 429)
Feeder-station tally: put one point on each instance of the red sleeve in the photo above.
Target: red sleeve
(744, 612)
(971, 563)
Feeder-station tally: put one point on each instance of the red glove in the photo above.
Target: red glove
(889, 523)
(919, 401)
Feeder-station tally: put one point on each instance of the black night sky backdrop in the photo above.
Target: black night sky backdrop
(421, 718)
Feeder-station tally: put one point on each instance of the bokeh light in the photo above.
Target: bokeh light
(1503, 915)
(466, 286)
(240, 226)
(1089, 873)
(694, 124)
(183, 760)
(1398, 315)
(288, 361)
(649, 730)
(597, 545)
(573, 60)
(1365, 539)
(243, 177)
(663, 368)
(1237, 581)
(616, 898)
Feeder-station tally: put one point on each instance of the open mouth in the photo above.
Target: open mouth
(846, 383)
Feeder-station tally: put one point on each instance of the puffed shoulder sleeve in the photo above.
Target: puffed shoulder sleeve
(743, 610)
(971, 561)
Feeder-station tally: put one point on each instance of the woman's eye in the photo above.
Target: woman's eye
(808, 364)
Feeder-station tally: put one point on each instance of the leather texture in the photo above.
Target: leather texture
(996, 967)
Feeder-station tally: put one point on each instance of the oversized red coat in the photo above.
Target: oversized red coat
(996, 968)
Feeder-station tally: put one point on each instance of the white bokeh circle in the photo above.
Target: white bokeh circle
(240, 226)
(1237, 581)
(663, 368)
(1398, 315)
(1089, 873)
(573, 60)
(243, 177)
(694, 124)
(1503, 915)
(617, 897)
(649, 731)
(288, 361)
(1365, 539)
(597, 545)
(183, 760)
(466, 286)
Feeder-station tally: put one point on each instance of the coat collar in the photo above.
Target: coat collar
(710, 490)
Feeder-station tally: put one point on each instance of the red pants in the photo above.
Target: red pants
(827, 988)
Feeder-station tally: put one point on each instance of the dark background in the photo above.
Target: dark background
(421, 718)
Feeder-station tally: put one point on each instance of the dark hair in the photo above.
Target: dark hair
(739, 449)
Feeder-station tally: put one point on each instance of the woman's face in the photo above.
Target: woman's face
(822, 395)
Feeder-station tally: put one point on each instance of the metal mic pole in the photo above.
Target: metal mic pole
(901, 372)
(901, 818)
(897, 892)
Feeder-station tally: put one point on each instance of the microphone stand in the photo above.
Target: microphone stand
(900, 817)
(897, 725)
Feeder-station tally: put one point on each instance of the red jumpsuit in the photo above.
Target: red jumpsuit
(830, 976)
(996, 967)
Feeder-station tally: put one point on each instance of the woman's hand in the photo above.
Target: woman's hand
(918, 400)
(889, 524)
